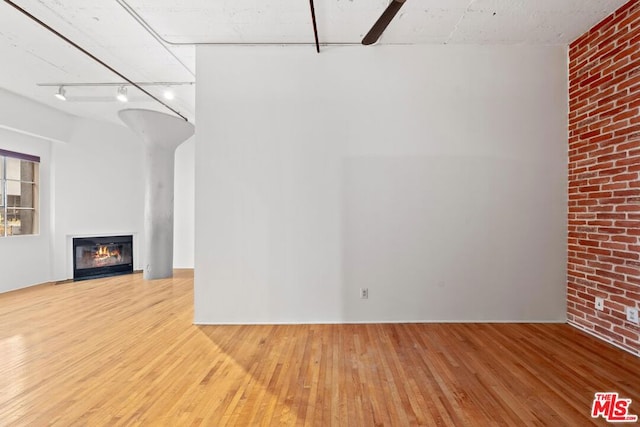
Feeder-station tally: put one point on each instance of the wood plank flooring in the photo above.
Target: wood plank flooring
(121, 351)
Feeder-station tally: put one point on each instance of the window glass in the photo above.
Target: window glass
(13, 169)
(20, 221)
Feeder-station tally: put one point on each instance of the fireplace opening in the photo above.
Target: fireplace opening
(95, 257)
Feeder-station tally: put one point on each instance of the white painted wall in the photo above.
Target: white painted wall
(183, 211)
(435, 176)
(24, 260)
(98, 189)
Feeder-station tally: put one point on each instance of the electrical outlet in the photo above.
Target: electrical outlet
(632, 314)
(364, 293)
(599, 303)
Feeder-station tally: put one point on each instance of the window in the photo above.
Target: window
(18, 193)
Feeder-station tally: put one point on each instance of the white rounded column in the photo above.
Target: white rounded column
(161, 135)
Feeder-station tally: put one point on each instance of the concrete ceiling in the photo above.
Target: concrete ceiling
(153, 40)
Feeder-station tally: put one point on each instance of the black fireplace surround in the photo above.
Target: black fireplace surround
(102, 256)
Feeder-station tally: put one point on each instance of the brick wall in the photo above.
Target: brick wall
(604, 184)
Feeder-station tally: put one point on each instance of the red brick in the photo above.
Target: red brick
(592, 243)
(628, 224)
(628, 208)
(615, 128)
(626, 99)
(599, 265)
(606, 215)
(612, 307)
(632, 345)
(624, 239)
(626, 193)
(628, 285)
(576, 315)
(589, 188)
(612, 201)
(627, 160)
(625, 177)
(610, 171)
(600, 194)
(614, 245)
(625, 332)
(607, 333)
(599, 223)
(584, 309)
(601, 322)
(614, 186)
(622, 68)
(588, 80)
(627, 270)
(609, 274)
(590, 134)
(601, 108)
(628, 146)
(600, 280)
(575, 196)
(601, 151)
(616, 156)
(597, 251)
(627, 52)
(611, 230)
(623, 300)
(616, 261)
(628, 83)
(577, 287)
(626, 255)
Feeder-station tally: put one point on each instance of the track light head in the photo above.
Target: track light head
(122, 94)
(168, 94)
(61, 94)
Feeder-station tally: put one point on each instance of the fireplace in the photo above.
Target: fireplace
(102, 256)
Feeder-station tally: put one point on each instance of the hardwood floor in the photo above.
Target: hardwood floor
(121, 351)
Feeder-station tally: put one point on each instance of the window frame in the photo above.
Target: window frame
(4, 194)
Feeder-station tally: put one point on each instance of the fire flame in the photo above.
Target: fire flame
(104, 252)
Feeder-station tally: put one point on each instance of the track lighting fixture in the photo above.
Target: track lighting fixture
(94, 94)
(61, 94)
(122, 94)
